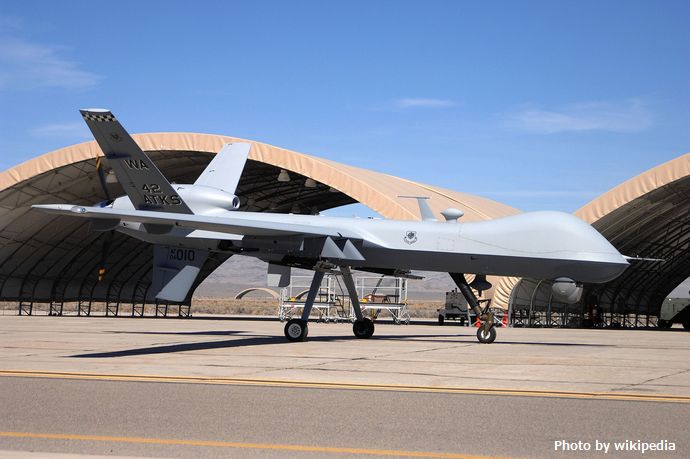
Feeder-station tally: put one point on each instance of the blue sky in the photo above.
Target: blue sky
(541, 105)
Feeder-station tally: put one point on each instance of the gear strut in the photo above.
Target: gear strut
(486, 332)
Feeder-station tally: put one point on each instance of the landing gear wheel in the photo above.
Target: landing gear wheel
(296, 330)
(686, 323)
(363, 328)
(441, 319)
(486, 337)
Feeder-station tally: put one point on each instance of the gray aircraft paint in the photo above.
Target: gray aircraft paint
(200, 216)
(535, 244)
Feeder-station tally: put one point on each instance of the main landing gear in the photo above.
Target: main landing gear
(298, 329)
(486, 333)
(363, 328)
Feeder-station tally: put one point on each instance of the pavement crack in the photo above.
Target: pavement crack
(651, 380)
(419, 351)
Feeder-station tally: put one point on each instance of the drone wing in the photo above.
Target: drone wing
(245, 223)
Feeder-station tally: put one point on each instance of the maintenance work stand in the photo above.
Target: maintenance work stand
(332, 303)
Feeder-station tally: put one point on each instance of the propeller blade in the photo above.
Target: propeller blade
(101, 177)
(105, 252)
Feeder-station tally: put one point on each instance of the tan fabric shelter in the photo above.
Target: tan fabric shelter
(52, 259)
(375, 190)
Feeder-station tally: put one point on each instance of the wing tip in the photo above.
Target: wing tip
(97, 114)
(94, 110)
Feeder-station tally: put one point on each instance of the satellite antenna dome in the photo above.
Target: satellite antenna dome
(452, 214)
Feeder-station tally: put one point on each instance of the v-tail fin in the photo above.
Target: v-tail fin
(146, 186)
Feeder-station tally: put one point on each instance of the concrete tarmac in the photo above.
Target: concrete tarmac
(209, 388)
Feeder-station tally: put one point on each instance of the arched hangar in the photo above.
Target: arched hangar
(52, 260)
(648, 217)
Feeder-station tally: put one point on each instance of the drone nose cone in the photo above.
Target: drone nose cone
(583, 253)
(585, 243)
(608, 271)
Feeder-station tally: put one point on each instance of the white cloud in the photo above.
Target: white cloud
(29, 65)
(628, 116)
(74, 130)
(423, 103)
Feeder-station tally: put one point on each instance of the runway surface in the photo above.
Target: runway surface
(184, 420)
(219, 388)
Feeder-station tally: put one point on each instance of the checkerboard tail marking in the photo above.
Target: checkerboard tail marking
(106, 117)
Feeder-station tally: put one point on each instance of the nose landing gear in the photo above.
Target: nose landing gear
(485, 337)
(486, 334)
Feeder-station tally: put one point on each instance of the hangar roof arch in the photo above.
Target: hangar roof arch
(376, 190)
(45, 258)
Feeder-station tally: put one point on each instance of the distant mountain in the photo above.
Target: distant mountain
(240, 272)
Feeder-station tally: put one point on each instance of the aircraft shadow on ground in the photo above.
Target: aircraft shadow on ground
(196, 333)
(266, 340)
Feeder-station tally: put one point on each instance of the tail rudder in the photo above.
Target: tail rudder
(146, 186)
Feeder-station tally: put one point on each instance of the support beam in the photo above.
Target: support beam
(485, 316)
(352, 291)
(466, 290)
(311, 297)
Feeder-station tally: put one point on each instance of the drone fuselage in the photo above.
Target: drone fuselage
(542, 245)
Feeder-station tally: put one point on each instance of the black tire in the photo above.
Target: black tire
(441, 319)
(486, 338)
(296, 330)
(363, 328)
(665, 324)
